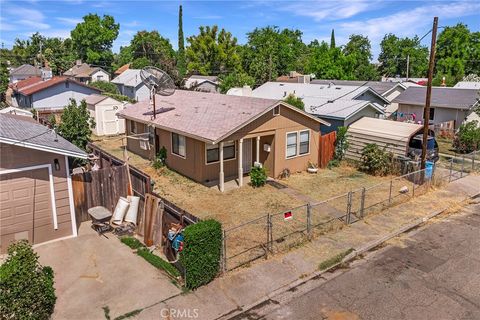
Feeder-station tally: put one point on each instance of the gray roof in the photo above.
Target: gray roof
(378, 86)
(129, 78)
(25, 132)
(197, 76)
(442, 97)
(26, 70)
(468, 85)
(341, 109)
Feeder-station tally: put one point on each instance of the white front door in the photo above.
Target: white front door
(247, 155)
(110, 121)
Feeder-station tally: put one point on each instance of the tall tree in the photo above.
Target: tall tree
(457, 54)
(76, 124)
(327, 63)
(332, 39)
(359, 51)
(212, 52)
(235, 79)
(181, 63)
(271, 52)
(394, 53)
(93, 39)
(4, 79)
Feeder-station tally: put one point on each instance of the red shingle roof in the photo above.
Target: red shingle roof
(35, 84)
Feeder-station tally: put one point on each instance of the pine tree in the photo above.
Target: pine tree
(181, 65)
(332, 39)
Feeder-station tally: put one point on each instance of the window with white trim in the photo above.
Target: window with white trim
(298, 143)
(304, 142)
(178, 145)
(213, 151)
(291, 144)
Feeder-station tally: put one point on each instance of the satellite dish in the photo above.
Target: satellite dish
(158, 81)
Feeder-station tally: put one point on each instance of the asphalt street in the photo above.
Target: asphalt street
(431, 273)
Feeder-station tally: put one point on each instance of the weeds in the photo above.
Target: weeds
(334, 260)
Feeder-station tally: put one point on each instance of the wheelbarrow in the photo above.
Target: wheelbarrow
(100, 219)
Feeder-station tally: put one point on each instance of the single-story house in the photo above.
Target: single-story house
(17, 111)
(104, 110)
(85, 73)
(49, 96)
(212, 137)
(202, 83)
(23, 72)
(130, 84)
(468, 85)
(447, 104)
(295, 77)
(336, 104)
(36, 197)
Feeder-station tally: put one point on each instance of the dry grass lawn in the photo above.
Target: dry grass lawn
(243, 204)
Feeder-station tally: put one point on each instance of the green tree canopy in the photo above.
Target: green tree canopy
(295, 101)
(328, 63)
(235, 79)
(181, 63)
(394, 53)
(93, 39)
(4, 80)
(271, 52)
(332, 39)
(106, 87)
(76, 123)
(359, 52)
(212, 52)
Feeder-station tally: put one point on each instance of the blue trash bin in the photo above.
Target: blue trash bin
(429, 169)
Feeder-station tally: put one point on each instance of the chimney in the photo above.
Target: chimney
(246, 91)
(78, 62)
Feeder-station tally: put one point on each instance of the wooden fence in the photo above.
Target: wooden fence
(327, 149)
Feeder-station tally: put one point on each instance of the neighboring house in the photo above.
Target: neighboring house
(211, 138)
(388, 90)
(295, 77)
(336, 104)
(130, 84)
(23, 72)
(36, 200)
(51, 95)
(407, 81)
(448, 105)
(17, 111)
(467, 85)
(84, 73)
(104, 110)
(121, 69)
(203, 83)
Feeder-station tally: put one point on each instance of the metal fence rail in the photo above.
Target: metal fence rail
(278, 232)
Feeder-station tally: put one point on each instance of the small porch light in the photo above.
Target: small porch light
(56, 164)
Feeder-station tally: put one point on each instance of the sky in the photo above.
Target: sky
(316, 19)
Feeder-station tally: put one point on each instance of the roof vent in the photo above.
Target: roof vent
(337, 88)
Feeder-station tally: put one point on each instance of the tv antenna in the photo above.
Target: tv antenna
(158, 81)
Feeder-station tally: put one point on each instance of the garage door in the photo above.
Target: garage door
(25, 206)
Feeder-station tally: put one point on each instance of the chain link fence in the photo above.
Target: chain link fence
(279, 232)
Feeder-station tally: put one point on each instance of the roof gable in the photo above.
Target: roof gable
(33, 85)
(442, 97)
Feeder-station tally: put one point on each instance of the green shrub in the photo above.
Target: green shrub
(201, 252)
(258, 176)
(158, 262)
(26, 287)
(467, 138)
(160, 159)
(105, 86)
(376, 161)
(132, 242)
(341, 143)
(333, 164)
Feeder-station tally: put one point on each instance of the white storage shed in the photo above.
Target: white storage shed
(104, 110)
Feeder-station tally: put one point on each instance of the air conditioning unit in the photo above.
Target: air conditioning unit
(267, 147)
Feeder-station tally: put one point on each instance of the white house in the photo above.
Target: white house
(104, 110)
(85, 73)
(202, 83)
(130, 84)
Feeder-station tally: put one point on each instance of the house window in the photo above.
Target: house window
(178, 145)
(133, 127)
(291, 144)
(276, 111)
(304, 142)
(432, 113)
(99, 77)
(213, 151)
(298, 143)
(67, 84)
(151, 134)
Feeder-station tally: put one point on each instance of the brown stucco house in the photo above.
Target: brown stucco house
(36, 197)
(211, 137)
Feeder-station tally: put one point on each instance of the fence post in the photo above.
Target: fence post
(224, 252)
(390, 193)
(473, 160)
(413, 186)
(362, 203)
(269, 235)
(463, 165)
(349, 207)
(309, 221)
(451, 167)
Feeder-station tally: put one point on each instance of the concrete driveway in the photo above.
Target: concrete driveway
(92, 272)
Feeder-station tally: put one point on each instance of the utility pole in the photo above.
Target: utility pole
(408, 65)
(426, 111)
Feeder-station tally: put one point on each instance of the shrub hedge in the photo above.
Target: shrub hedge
(158, 262)
(201, 252)
(26, 287)
(258, 176)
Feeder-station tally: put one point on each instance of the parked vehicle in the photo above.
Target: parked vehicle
(415, 148)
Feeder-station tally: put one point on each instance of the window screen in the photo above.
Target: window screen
(291, 144)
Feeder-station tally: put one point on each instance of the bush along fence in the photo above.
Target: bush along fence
(281, 231)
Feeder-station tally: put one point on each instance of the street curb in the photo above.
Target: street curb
(353, 255)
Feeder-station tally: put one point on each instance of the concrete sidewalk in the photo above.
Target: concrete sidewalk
(238, 290)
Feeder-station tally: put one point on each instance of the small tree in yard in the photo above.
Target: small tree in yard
(376, 161)
(258, 176)
(291, 99)
(76, 124)
(468, 137)
(26, 287)
(341, 146)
